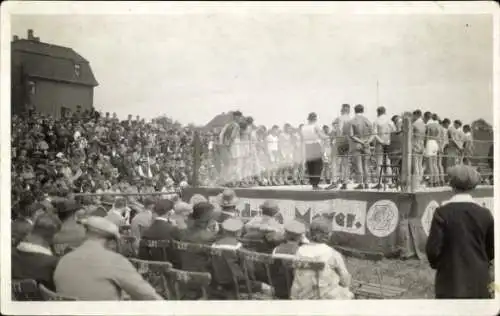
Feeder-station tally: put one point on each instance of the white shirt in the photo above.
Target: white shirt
(272, 142)
(310, 134)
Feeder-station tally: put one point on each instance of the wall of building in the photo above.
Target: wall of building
(50, 96)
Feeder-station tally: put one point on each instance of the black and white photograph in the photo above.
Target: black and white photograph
(304, 155)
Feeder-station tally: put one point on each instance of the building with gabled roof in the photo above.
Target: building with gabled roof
(48, 77)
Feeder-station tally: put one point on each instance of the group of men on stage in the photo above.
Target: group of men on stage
(436, 145)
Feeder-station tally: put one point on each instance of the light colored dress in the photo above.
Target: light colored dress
(305, 281)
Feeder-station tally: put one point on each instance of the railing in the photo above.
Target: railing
(255, 163)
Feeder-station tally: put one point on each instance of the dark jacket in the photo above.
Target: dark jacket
(283, 275)
(36, 266)
(460, 247)
(159, 230)
(194, 261)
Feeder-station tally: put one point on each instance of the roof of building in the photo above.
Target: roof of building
(53, 62)
(219, 121)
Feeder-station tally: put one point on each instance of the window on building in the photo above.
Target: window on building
(31, 87)
(77, 70)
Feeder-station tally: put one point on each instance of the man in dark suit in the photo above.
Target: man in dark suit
(160, 229)
(460, 244)
(33, 258)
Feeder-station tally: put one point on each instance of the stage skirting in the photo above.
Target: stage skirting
(391, 224)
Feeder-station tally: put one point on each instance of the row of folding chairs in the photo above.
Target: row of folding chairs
(29, 290)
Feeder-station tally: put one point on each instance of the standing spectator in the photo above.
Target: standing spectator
(33, 258)
(383, 127)
(361, 133)
(418, 147)
(445, 124)
(456, 144)
(460, 244)
(432, 145)
(102, 274)
(468, 145)
(143, 219)
(313, 137)
(342, 141)
(117, 215)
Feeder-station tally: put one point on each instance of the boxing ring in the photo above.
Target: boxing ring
(389, 222)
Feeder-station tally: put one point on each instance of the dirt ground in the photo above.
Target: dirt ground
(414, 275)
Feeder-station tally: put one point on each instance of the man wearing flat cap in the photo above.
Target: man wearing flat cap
(92, 272)
(460, 246)
(265, 228)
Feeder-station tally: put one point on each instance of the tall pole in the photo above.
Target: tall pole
(377, 95)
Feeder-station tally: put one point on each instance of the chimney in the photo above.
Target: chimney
(15, 38)
(30, 35)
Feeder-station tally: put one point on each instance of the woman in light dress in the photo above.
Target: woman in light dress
(334, 280)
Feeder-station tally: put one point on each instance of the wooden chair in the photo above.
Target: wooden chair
(256, 267)
(187, 284)
(127, 245)
(48, 295)
(191, 257)
(282, 273)
(155, 273)
(25, 290)
(226, 265)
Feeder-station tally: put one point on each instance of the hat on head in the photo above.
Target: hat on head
(312, 116)
(295, 227)
(183, 208)
(101, 226)
(197, 198)
(149, 201)
(270, 207)
(232, 225)
(202, 211)
(463, 177)
(163, 206)
(68, 206)
(108, 200)
(320, 224)
(227, 198)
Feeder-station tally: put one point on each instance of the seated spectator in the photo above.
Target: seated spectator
(118, 213)
(227, 202)
(22, 225)
(72, 234)
(144, 218)
(198, 232)
(160, 229)
(231, 229)
(197, 198)
(101, 274)
(334, 280)
(265, 228)
(33, 258)
(294, 236)
(182, 210)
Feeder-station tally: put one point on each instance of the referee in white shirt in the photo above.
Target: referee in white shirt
(313, 137)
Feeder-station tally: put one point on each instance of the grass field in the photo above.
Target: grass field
(414, 275)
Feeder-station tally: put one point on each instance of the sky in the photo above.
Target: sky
(279, 67)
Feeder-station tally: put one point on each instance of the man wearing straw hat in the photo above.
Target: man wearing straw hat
(92, 272)
(460, 243)
(227, 202)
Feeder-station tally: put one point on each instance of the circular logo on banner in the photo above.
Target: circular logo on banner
(382, 218)
(427, 216)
